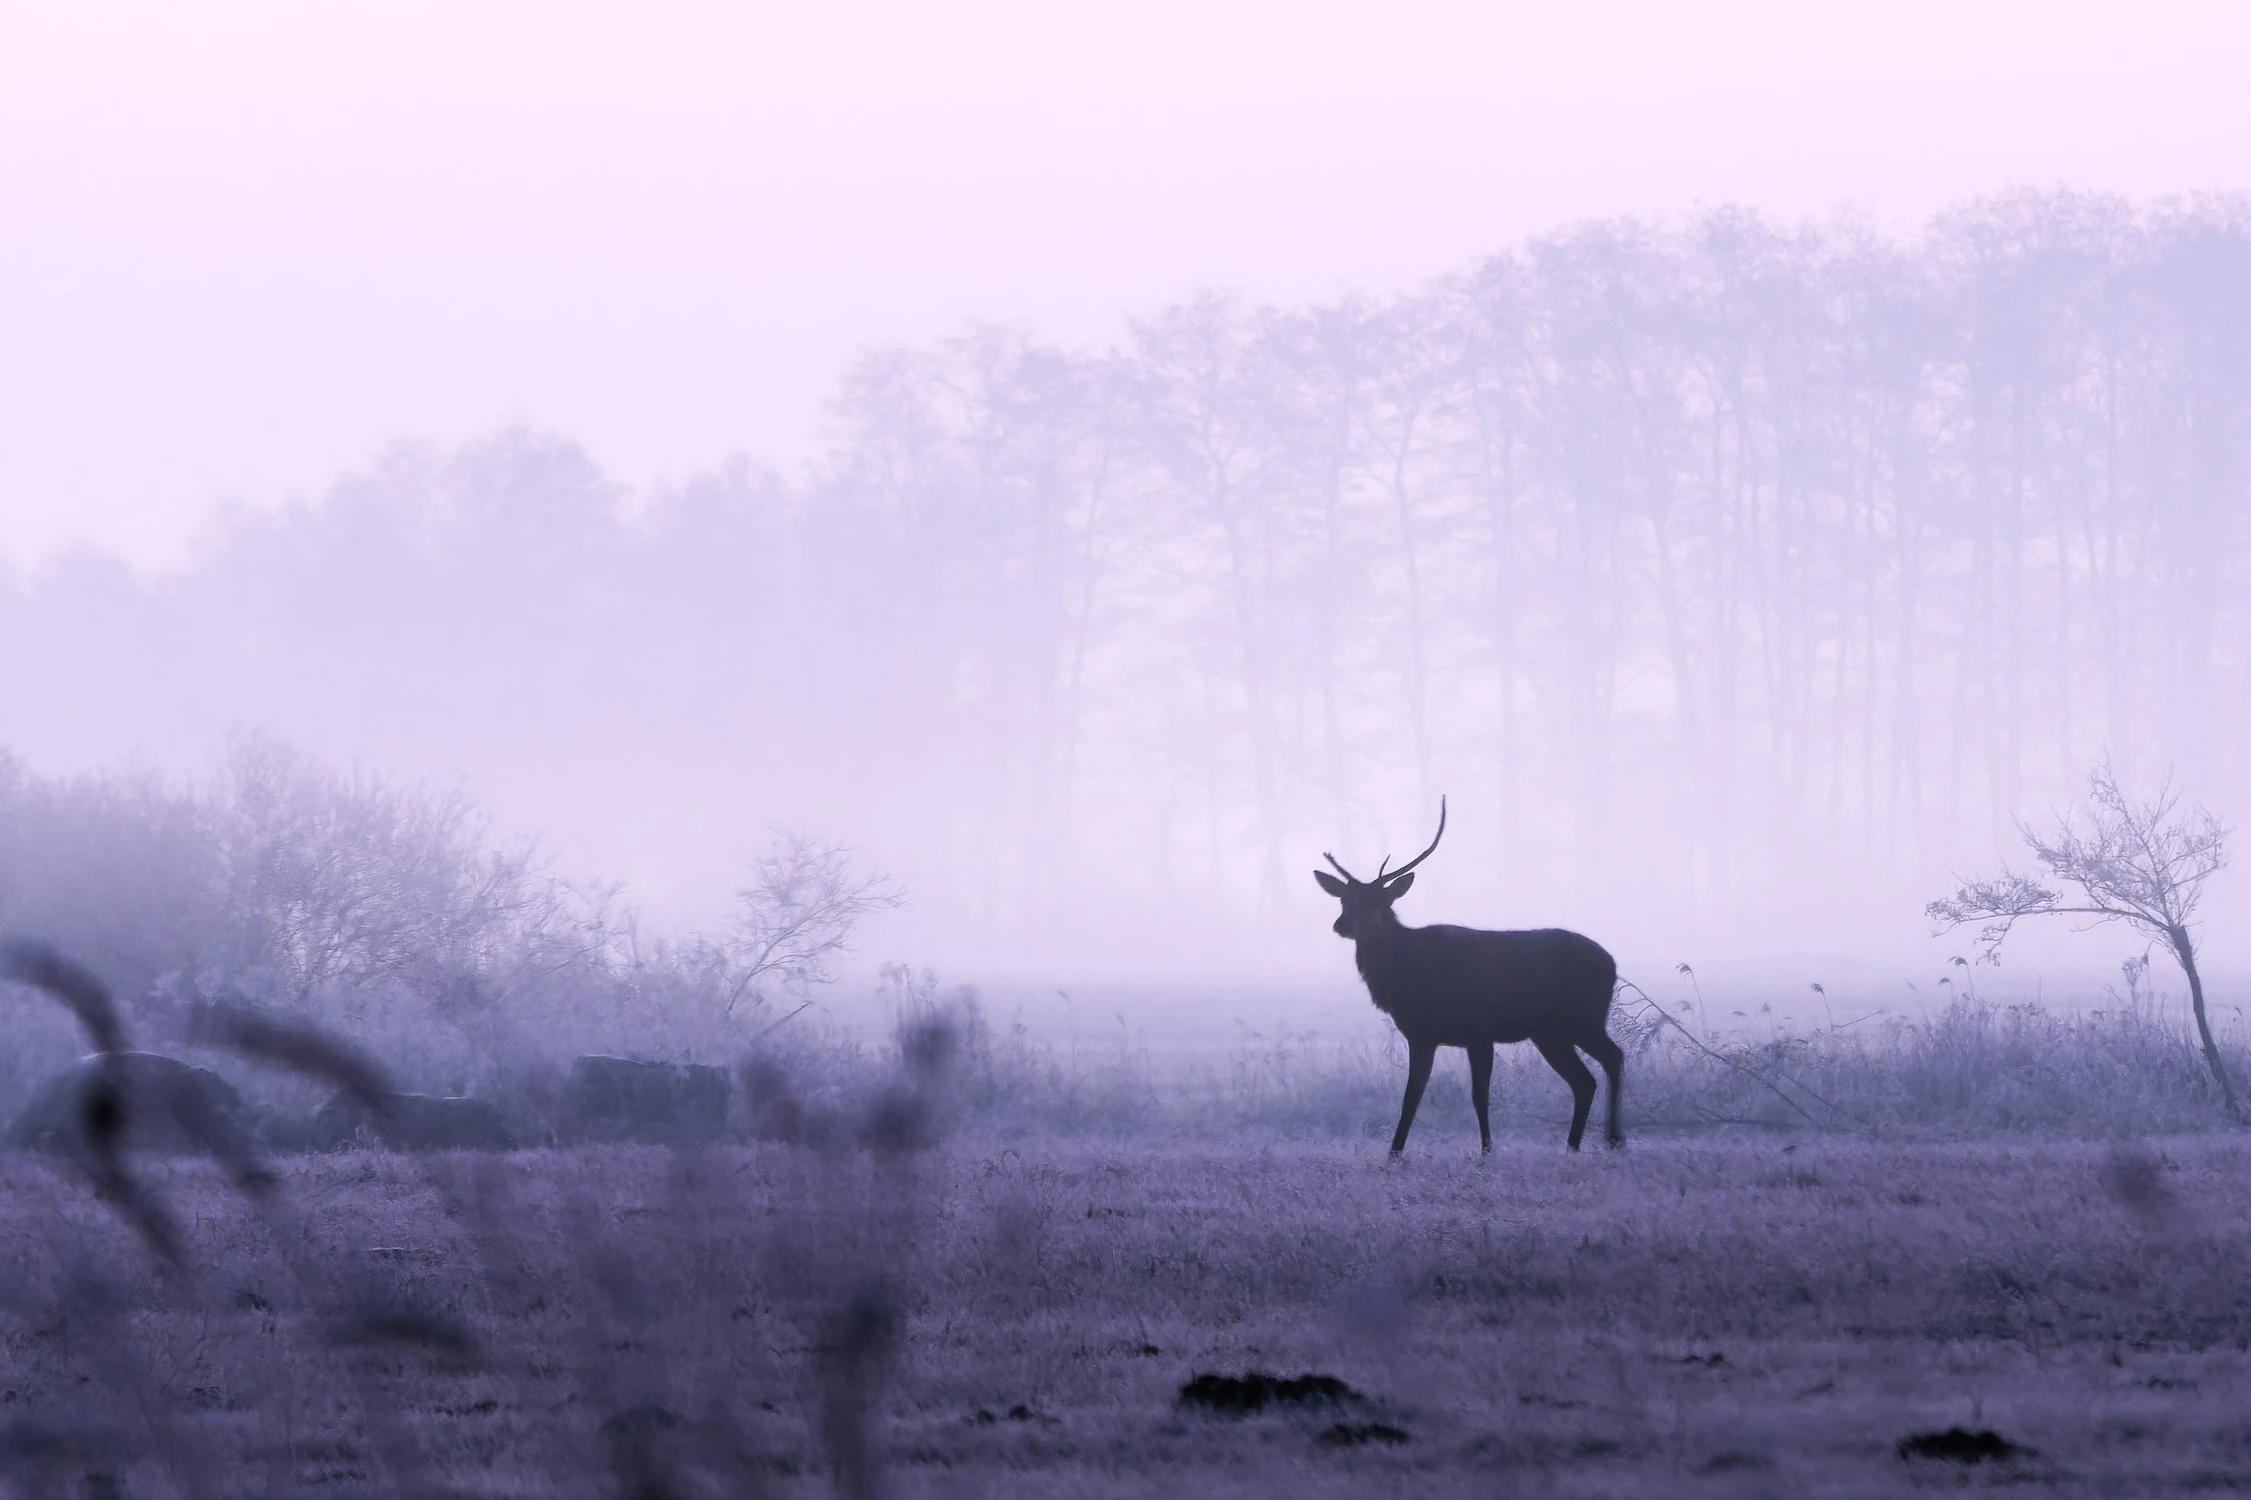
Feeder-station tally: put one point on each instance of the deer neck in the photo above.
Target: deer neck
(1375, 952)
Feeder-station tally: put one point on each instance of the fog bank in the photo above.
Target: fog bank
(1736, 580)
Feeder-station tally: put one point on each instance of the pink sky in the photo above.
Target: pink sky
(243, 246)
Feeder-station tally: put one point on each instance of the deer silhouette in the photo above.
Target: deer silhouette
(1466, 987)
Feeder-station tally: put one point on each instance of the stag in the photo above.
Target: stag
(1465, 987)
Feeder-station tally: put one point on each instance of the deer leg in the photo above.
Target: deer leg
(1613, 1059)
(1565, 1060)
(1419, 1059)
(1481, 1092)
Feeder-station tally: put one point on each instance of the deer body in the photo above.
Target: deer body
(1447, 986)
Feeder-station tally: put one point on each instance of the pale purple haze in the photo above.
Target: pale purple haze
(254, 254)
(248, 244)
(684, 663)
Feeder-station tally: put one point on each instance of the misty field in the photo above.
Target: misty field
(715, 732)
(1737, 1313)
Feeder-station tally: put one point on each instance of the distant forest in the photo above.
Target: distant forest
(1729, 565)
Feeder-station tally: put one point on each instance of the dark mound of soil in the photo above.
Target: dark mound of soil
(1256, 1390)
(1961, 1446)
(984, 1417)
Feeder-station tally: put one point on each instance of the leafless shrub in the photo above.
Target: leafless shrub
(348, 881)
(797, 916)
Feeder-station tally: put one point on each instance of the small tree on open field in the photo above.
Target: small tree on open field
(2130, 861)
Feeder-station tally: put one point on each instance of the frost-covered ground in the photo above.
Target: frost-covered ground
(1746, 1313)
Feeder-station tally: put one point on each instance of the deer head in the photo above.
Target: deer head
(1367, 903)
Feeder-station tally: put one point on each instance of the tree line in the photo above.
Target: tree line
(1719, 565)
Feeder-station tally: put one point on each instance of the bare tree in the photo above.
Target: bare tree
(798, 915)
(2132, 861)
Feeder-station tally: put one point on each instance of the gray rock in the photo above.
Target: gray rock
(619, 1099)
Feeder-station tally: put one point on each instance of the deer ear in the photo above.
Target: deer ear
(1328, 882)
(1398, 888)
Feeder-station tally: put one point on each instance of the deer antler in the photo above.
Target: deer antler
(1418, 859)
(1341, 870)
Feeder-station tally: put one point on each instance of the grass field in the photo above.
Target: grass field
(1724, 1315)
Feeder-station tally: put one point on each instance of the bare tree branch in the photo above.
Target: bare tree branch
(798, 915)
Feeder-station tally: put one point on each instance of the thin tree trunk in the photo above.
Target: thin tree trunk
(1258, 703)
(2185, 951)
(1410, 556)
